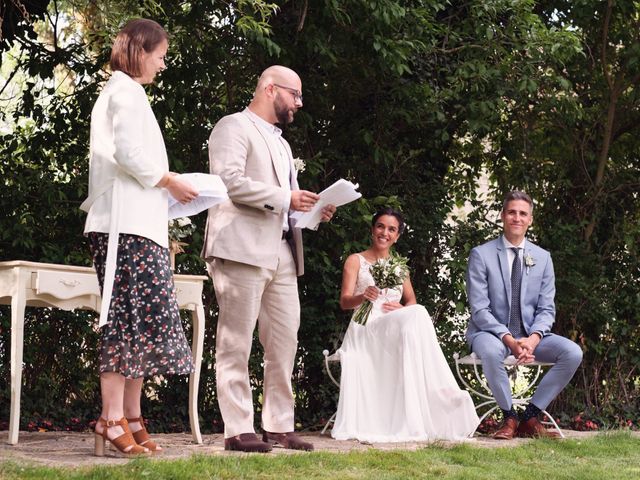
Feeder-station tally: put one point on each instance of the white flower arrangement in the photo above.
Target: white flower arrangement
(299, 164)
(180, 228)
(529, 261)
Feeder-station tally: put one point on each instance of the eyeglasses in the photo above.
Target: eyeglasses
(297, 95)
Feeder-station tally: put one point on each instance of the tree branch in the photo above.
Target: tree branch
(303, 16)
(605, 40)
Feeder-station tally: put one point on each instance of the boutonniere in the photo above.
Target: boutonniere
(529, 261)
(298, 164)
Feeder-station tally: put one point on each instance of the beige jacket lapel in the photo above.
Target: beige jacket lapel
(282, 180)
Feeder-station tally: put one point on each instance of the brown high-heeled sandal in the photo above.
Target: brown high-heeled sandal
(125, 444)
(142, 436)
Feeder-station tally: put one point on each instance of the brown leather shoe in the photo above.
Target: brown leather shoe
(246, 442)
(533, 428)
(287, 440)
(507, 430)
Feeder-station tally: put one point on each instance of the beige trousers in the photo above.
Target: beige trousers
(247, 294)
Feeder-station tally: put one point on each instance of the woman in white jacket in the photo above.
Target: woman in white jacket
(129, 180)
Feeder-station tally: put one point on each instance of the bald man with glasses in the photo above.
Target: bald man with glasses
(254, 255)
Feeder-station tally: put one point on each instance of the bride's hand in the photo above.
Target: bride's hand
(391, 306)
(371, 293)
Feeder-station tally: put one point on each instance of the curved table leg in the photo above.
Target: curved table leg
(18, 303)
(194, 379)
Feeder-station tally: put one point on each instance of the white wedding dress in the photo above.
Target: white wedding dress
(396, 385)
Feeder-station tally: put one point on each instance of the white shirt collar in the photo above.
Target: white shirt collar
(268, 127)
(508, 244)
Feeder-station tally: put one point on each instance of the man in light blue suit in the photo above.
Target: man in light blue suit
(511, 289)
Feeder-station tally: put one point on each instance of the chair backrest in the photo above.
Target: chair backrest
(335, 357)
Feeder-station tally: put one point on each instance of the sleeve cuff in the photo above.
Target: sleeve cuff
(155, 180)
(287, 201)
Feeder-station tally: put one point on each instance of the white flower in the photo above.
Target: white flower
(529, 261)
(183, 221)
(299, 164)
(180, 228)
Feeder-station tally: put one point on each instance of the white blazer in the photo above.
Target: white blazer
(127, 159)
(127, 144)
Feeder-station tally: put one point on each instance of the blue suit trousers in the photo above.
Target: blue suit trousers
(552, 348)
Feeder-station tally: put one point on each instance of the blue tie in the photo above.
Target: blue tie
(515, 316)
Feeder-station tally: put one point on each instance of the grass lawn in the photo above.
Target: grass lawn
(606, 456)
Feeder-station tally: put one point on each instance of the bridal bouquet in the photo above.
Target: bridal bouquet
(387, 273)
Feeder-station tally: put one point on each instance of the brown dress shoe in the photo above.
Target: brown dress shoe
(246, 442)
(507, 430)
(287, 440)
(533, 428)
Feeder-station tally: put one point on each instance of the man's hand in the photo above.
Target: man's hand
(303, 200)
(327, 212)
(529, 343)
(523, 355)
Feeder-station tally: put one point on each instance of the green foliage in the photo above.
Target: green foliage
(417, 101)
(577, 147)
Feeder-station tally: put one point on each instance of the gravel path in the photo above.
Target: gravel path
(71, 449)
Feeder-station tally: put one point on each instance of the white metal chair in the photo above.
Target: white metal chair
(520, 395)
(335, 357)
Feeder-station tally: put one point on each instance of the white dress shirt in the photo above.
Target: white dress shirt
(283, 161)
(511, 254)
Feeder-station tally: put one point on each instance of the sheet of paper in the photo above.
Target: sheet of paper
(211, 191)
(338, 194)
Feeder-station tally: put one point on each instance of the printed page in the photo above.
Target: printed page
(211, 191)
(338, 194)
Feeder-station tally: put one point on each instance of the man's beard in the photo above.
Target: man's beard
(283, 114)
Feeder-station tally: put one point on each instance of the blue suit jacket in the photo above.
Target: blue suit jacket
(489, 290)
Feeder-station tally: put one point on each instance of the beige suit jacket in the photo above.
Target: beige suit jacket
(247, 228)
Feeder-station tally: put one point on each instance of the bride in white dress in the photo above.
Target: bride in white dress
(395, 385)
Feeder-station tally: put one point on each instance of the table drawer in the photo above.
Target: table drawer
(188, 293)
(65, 285)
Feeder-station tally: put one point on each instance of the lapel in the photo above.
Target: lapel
(503, 261)
(293, 180)
(272, 151)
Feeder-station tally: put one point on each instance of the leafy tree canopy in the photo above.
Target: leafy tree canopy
(432, 106)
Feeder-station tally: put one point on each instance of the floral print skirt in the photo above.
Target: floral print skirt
(143, 335)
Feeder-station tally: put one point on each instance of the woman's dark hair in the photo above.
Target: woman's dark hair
(137, 36)
(391, 212)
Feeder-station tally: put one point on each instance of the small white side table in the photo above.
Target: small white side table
(31, 284)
